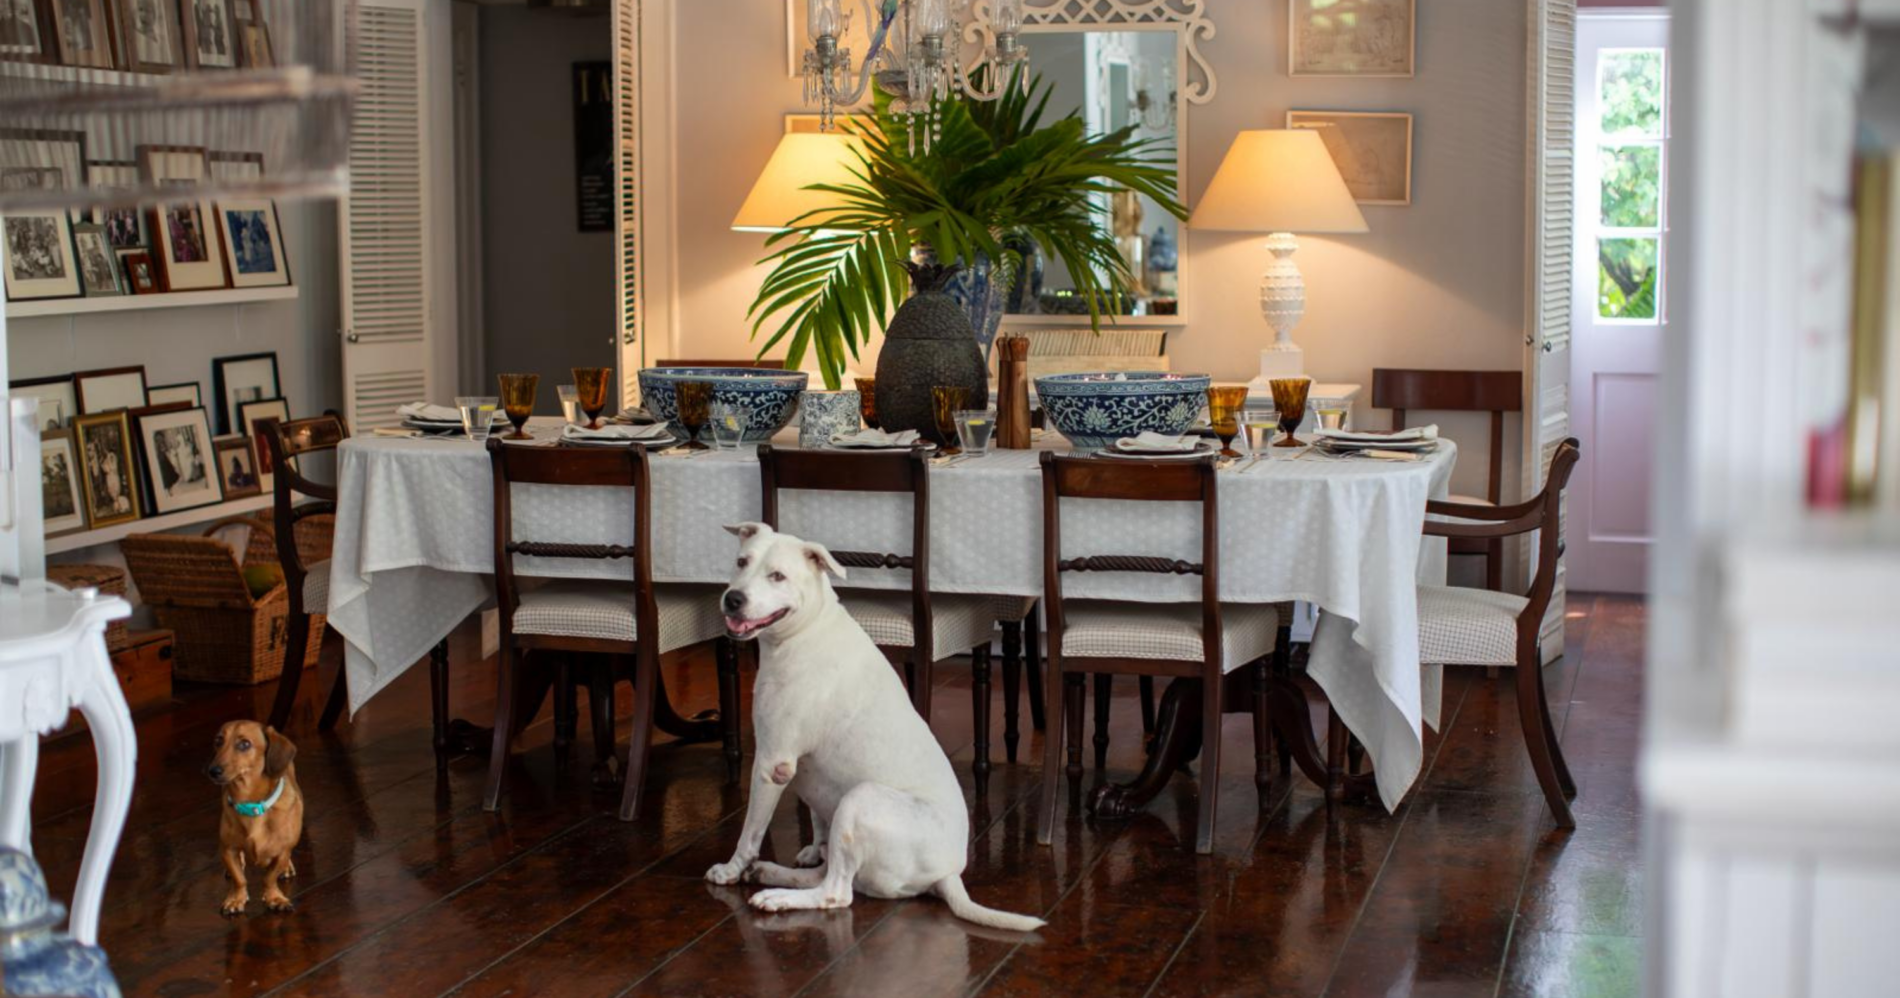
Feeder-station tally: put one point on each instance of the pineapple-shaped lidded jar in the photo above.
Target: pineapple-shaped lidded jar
(929, 343)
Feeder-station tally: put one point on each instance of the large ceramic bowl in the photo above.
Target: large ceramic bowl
(768, 398)
(1095, 409)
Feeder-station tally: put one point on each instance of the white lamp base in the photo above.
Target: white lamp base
(1281, 361)
(1283, 302)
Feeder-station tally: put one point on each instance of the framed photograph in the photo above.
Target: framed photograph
(59, 403)
(1373, 150)
(185, 239)
(110, 388)
(241, 167)
(22, 38)
(254, 45)
(140, 275)
(98, 265)
(64, 510)
(253, 247)
(84, 39)
(150, 31)
(108, 479)
(184, 391)
(125, 226)
(250, 414)
(40, 260)
(44, 159)
(251, 377)
(237, 466)
(180, 462)
(1351, 37)
(210, 34)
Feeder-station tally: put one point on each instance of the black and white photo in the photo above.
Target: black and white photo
(209, 30)
(238, 380)
(40, 256)
(59, 402)
(179, 460)
(83, 38)
(150, 29)
(60, 504)
(20, 28)
(110, 481)
(98, 264)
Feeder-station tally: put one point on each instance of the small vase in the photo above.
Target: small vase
(822, 415)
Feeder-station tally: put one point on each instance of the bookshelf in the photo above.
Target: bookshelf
(140, 303)
(82, 539)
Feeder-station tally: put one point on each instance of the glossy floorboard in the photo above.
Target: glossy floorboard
(409, 888)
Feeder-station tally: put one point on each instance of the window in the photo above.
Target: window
(1632, 128)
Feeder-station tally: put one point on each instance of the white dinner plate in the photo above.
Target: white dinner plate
(1201, 450)
(653, 443)
(1337, 444)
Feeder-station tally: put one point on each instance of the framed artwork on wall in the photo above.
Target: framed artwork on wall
(23, 36)
(236, 166)
(149, 29)
(1351, 37)
(180, 462)
(210, 34)
(59, 401)
(84, 39)
(1373, 150)
(110, 388)
(125, 226)
(250, 416)
(185, 391)
(250, 377)
(109, 479)
(253, 246)
(140, 275)
(237, 466)
(184, 233)
(40, 261)
(98, 265)
(64, 510)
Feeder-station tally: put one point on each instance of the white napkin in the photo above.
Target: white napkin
(874, 438)
(1150, 442)
(430, 413)
(635, 416)
(614, 431)
(1416, 433)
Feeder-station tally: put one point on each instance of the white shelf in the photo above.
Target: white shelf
(1014, 320)
(139, 303)
(157, 524)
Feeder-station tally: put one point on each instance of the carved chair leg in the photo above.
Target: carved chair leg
(296, 635)
(339, 698)
(640, 742)
(1538, 741)
(1012, 687)
(980, 712)
(439, 703)
(1336, 737)
(565, 724)
(1210, 765)
(1032, 659)
(727, 652)
(600, 718)
(1262, 735)
(1550, 733)
(1073, 691)
(1104, 692)
(1051, 758)
(504, 727)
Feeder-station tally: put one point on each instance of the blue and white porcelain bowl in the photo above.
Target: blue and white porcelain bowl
(766, 398)
(1095, 409)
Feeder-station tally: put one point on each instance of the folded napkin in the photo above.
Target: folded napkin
(1150, 442)
(615, 431)
(385, 431)
(430, 413)
(635, 416)
(1415, 434)
(1390, 455)
(874, 438)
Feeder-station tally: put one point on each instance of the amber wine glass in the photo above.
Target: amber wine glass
(517, 400)
(1289, 396)
(695, 408)
(590, 383)
(1223, 414)
(867, 400)
(945, 402)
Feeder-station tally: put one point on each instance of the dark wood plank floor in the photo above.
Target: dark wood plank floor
(408, 888)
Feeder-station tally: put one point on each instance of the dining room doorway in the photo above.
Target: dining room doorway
(1619, 315)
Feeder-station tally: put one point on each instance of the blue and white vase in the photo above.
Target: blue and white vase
(821, 415)
(977, 289)
(35, 960)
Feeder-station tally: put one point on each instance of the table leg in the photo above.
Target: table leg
(1293, 720)
(1177, 742)
(19, 761)
(111, 724)
(704, 726)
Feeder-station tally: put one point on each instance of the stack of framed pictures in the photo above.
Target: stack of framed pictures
(137, 36)
(114, 449)
(187, 245)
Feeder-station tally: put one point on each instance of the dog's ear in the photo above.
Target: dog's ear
(820, 556)
(278, 753)
(747, 531)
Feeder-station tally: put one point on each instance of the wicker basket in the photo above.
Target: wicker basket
(195, 587)
(109, 581)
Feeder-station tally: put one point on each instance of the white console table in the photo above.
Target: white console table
(53, 659)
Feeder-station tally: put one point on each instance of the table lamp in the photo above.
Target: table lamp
(780, 197)
(1279, 181)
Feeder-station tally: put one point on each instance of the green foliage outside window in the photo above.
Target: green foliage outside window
(1626, 278)
(1632, 187)
(1631, 94)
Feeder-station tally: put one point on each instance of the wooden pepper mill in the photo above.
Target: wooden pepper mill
(1012, 393)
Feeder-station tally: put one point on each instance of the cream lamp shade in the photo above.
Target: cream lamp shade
(801, 160)
(1279, 181)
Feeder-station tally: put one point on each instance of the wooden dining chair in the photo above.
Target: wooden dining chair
(303, 514)
(1495, 392)
(1461, 626)
(1019, 618)
(561, 619)
(1202, 641)
(915, 630)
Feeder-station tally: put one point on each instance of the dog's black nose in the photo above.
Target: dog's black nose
(734, 601)
(214, 771)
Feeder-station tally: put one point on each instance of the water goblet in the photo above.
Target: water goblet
(1289, 396)
(945, 402)
(517, 400)
(728, 426)
(478, 415)
(1260, 426)
(695, 409)
(1224, 403)
(1332, 418)
(570, 403)
(591, 384)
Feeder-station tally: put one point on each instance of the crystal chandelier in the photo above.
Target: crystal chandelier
(913, 55)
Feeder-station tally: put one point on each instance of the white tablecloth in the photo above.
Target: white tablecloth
(414, 551)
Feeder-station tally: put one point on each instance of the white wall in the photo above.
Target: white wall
(1438, 283)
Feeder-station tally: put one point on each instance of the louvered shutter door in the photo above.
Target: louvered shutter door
(631, 345)
(1553, 102)
(386, 248)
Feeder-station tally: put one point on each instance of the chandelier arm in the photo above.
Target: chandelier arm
(868, 67)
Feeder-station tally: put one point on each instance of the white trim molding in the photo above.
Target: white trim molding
(1186, 17)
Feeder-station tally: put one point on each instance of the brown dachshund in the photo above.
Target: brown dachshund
(262, 812)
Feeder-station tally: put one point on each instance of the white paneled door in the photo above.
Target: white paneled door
(392, 307)
(1622, 215)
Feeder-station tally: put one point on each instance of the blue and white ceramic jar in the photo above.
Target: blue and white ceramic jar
(35, 960)
(823, 414)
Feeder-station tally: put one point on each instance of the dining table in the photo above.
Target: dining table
(414, 552)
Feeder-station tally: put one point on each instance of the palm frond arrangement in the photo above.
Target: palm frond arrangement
(837, 274)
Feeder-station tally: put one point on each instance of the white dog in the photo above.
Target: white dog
(832, 722)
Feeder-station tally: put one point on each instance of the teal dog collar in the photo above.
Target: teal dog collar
(256, 808)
